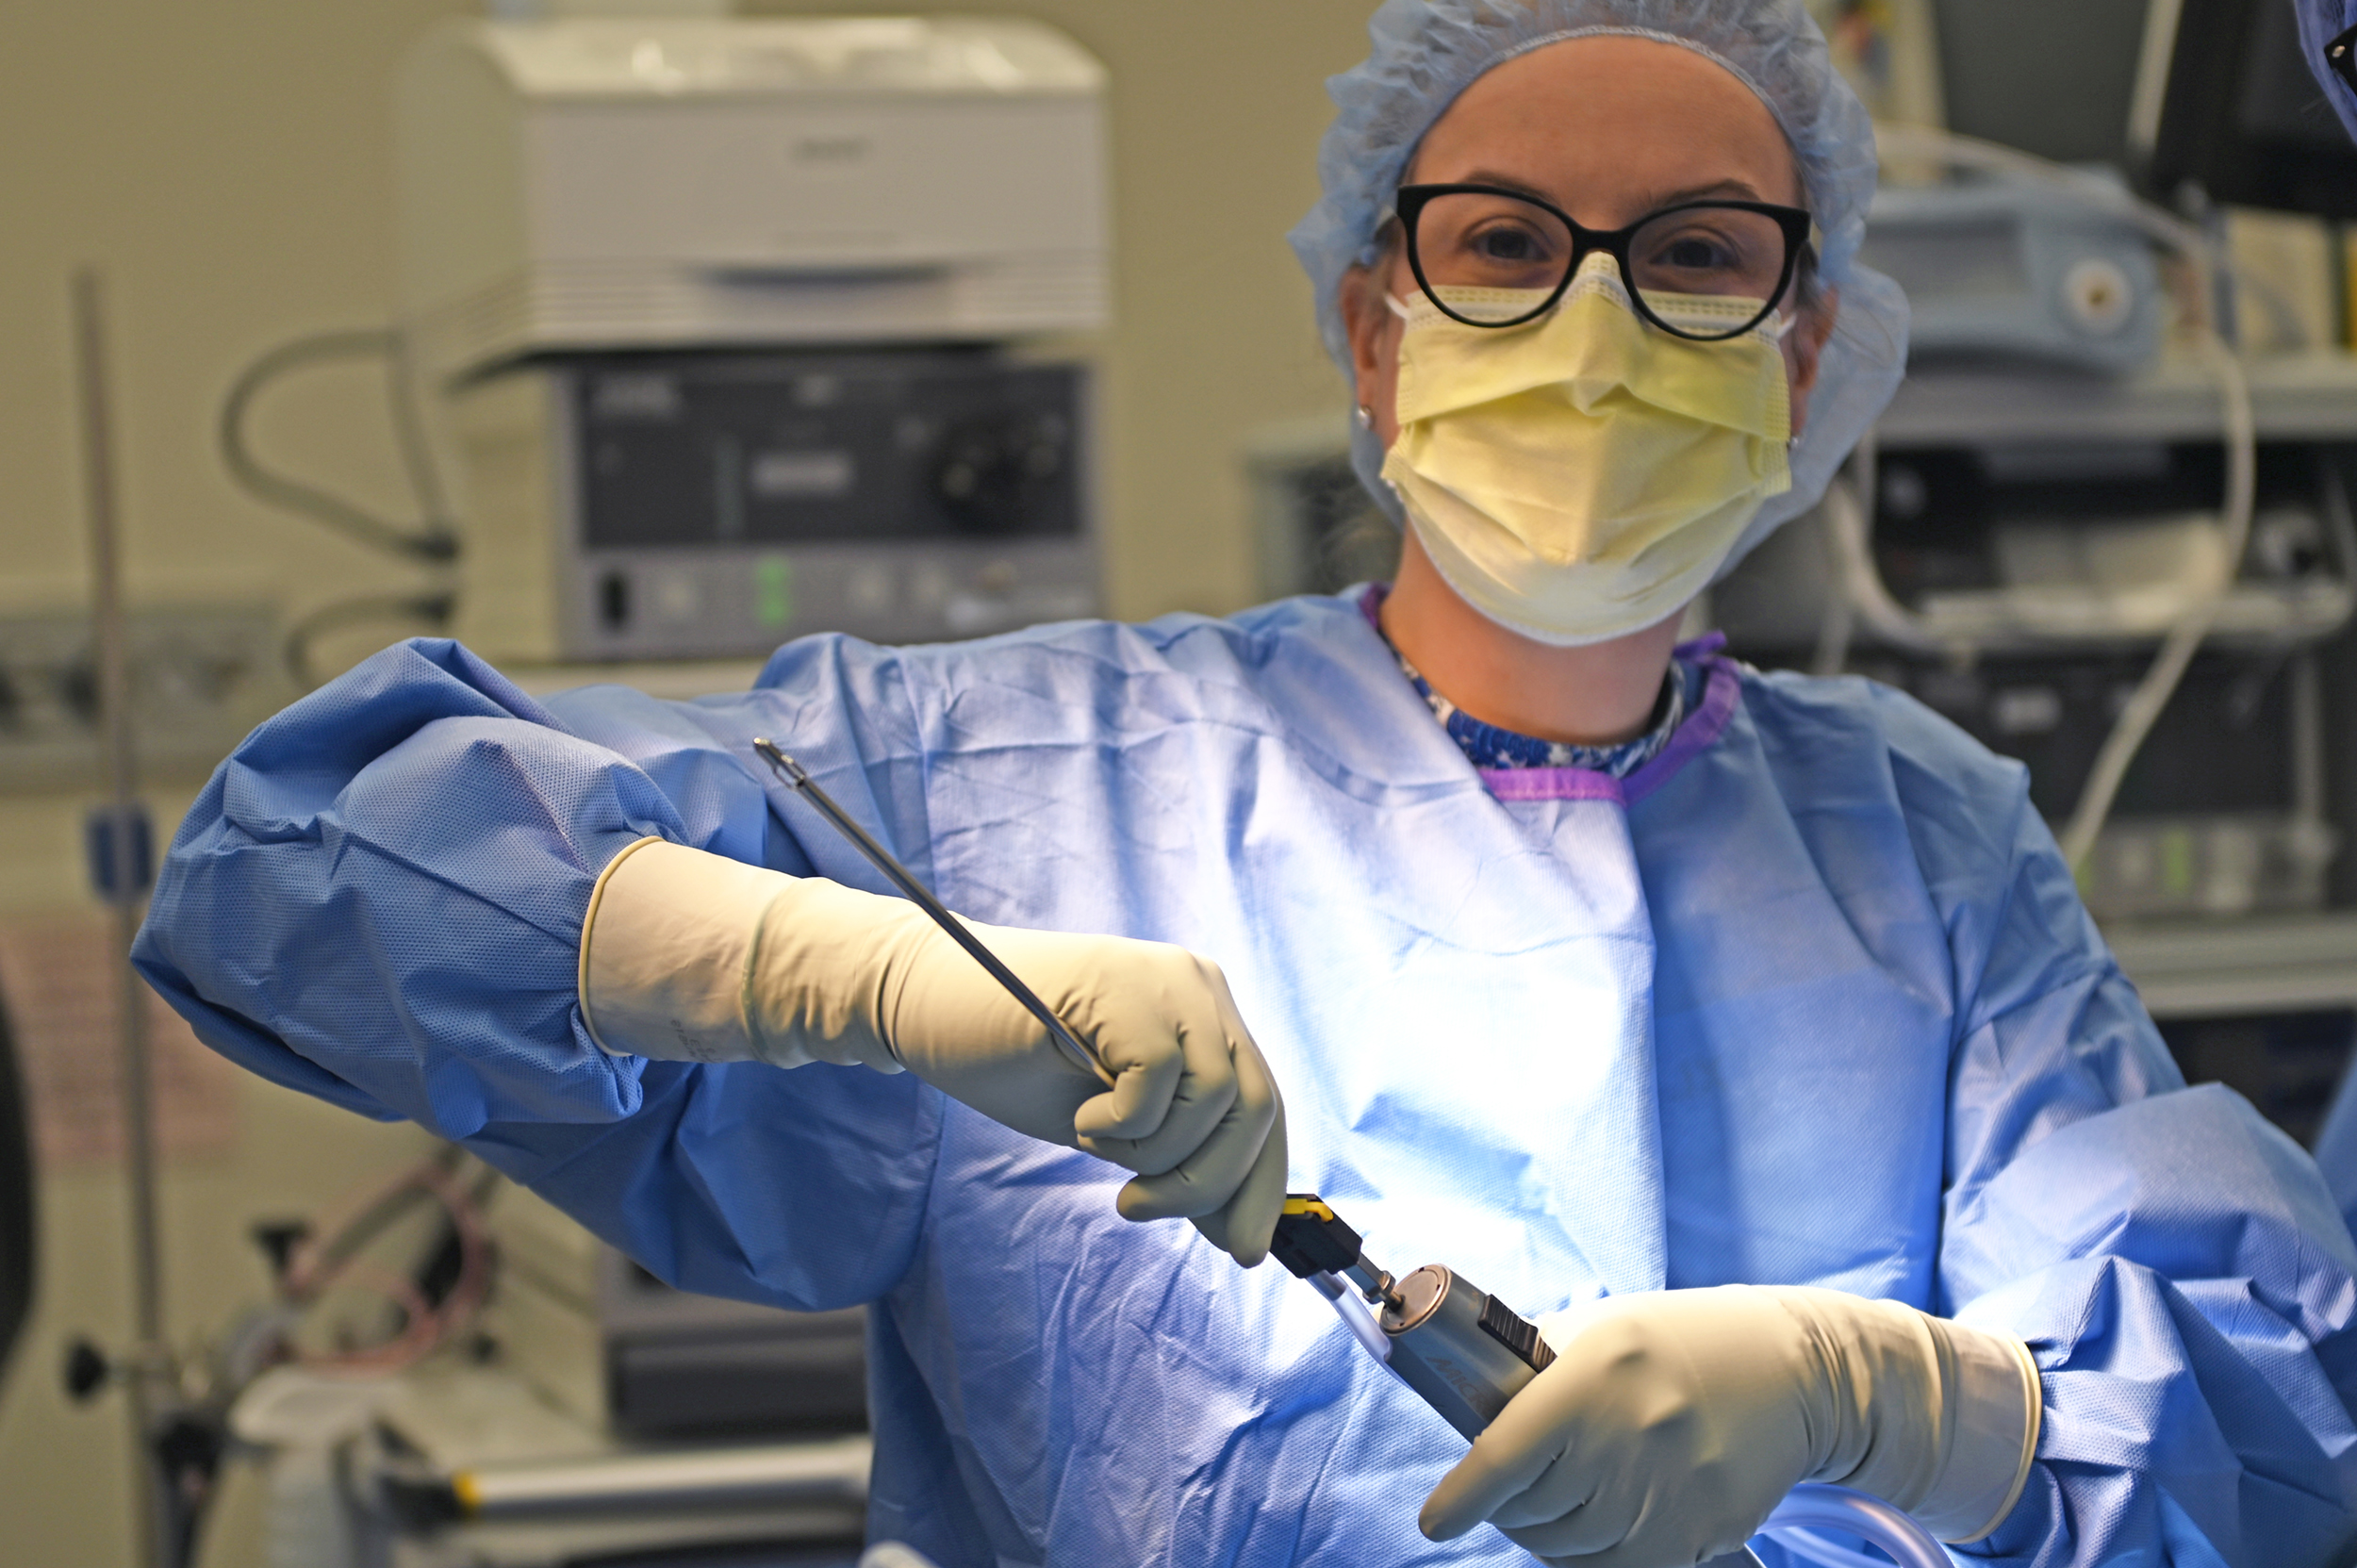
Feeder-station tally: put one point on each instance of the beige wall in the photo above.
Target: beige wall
(227, 164)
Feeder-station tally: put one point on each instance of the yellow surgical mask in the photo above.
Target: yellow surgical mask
(1582, 476)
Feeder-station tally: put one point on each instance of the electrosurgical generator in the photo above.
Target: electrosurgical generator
(743, 329)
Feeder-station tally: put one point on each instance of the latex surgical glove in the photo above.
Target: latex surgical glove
(691, 956)
(1673, 1422)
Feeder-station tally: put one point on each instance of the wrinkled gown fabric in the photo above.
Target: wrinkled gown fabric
(1807, 999)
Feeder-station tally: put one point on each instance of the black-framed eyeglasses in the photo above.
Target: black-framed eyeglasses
(1703, 270)
(2341, 55)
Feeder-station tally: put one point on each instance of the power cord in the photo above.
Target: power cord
(1849, 511)
(433, 538)
(2143, 709)
(434, 608)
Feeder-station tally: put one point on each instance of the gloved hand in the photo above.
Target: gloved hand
(1673, 1422)
(690, 956)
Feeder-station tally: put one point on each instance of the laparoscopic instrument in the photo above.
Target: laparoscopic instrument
(899, 876)
(1464, 1352)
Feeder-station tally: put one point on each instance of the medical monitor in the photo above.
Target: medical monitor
(2051, 78)
(2225, 102)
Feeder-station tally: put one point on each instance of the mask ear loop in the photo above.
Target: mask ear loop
(1778, 327)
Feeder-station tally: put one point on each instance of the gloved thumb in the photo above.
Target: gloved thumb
(1501, 1465)
(1242, 1226)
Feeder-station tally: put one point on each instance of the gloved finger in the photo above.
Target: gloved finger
(1251, 1068)
(1518, 1447)
(1645, 1550)
(1207, 1179)
(1565, 1514)
(1584, 1530)
(1243, 1226)
(1204, 1089)
(1565, 1497)
(1146, 1075)
(1188, 1122)
(1208, 1028)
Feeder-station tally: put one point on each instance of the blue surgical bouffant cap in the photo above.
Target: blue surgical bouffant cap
(1426, 51)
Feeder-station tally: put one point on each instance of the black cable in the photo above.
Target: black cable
(433, 538)
(432, 608)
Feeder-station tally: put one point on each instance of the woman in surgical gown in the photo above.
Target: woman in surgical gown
(1596, 969)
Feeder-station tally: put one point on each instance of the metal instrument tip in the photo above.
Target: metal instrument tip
(787, 767)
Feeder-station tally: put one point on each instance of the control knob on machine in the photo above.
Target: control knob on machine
(992, 475)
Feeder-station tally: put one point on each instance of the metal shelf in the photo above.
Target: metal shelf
(2310, 397)
(2238, 968)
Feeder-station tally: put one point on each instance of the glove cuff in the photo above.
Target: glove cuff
(662, 950)
(1922, 1412)
(1997, 1402)
(687, 956)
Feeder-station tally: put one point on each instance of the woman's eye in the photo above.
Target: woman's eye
(1695, 253)
(1509, 244)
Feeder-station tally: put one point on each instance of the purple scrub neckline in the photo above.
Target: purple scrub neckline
(1722, 687)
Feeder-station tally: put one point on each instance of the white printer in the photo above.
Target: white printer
(739, 326)
(594, 183)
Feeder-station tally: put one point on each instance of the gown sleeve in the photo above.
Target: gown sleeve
(378, 899)
(2173, 1262)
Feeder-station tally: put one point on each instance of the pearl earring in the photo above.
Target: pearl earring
(1366, 418)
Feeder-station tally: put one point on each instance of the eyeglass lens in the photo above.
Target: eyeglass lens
(1687, 265)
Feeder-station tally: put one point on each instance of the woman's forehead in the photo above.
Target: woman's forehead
(1612, 120)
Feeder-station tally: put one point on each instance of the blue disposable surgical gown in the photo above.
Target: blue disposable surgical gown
(1809, 1000)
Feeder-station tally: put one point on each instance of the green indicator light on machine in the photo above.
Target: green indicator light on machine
(774, 591)
(2177, 865)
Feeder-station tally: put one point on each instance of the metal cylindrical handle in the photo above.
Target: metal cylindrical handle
(1466, 1354)
(1440, 1349)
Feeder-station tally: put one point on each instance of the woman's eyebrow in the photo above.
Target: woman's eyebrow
(1739, 189)
(1507, 182)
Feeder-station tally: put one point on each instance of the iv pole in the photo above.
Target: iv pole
(123, 885)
